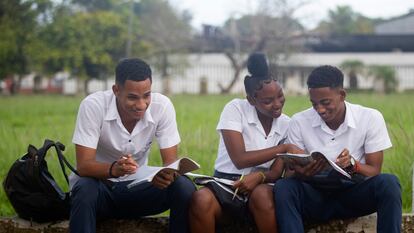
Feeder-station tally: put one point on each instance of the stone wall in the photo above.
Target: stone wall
(365, 224)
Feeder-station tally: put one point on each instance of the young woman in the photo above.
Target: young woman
(252, 132)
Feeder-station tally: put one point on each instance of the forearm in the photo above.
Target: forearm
(94, 169)
(253, 158)
(275, 171)
(367, 170)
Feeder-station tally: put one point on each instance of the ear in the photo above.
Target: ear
(342, 92)
(251, 100)
(115, 89)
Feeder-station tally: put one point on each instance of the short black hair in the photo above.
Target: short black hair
(133, 69)
(258, 68)
(326, 76)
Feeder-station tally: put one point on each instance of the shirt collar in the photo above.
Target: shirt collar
(349, 117)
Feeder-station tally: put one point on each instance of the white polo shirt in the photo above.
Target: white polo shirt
(239, 115)
(363, 131)
(99, 126)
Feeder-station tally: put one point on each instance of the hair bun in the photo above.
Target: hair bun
(257, 65)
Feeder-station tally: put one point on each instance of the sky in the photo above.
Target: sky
(215, 12)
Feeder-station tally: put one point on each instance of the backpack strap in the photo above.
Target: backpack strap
(41, 152)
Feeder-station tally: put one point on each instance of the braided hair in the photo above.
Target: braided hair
(133, 69)
(258, 68)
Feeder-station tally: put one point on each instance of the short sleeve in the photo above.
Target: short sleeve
(230, 118)
(88, 124)
(377, 138)
(167, 132)
(294, 134)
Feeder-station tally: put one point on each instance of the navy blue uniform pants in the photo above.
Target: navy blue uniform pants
(92, 199)
(297, 201)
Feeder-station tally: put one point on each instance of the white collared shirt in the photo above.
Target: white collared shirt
(363, 131)
(99, 126)
(239, 115)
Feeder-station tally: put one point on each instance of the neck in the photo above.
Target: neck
(127, 122)
(265, 121)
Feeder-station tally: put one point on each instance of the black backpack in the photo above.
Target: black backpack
(31, 189)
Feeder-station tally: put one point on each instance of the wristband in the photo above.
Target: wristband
(263, 177)
(110, 170)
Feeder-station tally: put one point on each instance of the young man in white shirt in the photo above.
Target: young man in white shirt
(359, 135)
(113, 136)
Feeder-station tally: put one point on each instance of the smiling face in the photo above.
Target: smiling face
(133, 99)
(329, 104)
(269, 100)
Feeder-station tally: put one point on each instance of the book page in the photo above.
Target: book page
(147, 173)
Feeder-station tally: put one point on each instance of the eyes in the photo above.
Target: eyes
(268, 101)
(133, 97)
(324, 102)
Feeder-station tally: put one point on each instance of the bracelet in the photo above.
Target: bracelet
(110, 170)
(263, 176)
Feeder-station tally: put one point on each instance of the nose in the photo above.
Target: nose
(320, 109)
(140, 104)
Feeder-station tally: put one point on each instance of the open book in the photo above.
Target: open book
(147, 173)
(304, 159)
(225, 185)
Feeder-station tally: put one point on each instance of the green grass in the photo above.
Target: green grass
(28, 120)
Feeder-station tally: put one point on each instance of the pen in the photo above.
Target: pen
(237, 189)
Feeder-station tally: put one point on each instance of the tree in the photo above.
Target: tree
(85, 40)
(345, 21)
(386, 76)
(166, 31)
(353, 67)
(270, 29)
(18, 23)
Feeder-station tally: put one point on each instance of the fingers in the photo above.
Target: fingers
(164, 178)
(344, 159)
(126, 165)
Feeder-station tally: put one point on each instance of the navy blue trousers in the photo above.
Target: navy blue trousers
(92, 200)
(297, 201)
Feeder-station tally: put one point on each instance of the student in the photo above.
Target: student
(113, 136)
(252, 132)
(360, 135)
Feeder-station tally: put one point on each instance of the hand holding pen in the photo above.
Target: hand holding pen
(237, 189)
(125, 165)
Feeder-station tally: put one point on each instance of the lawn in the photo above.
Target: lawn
(30, 119)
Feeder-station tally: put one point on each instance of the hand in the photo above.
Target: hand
(164, 178)
(293, 149)
(344, 159)
(310, 169)
(126, 165)
(248, 183)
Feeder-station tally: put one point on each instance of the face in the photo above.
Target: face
(133, 99)
(269, 100)
(329, 104)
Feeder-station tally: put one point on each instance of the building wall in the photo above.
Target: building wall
(216, 68)
(400, 26)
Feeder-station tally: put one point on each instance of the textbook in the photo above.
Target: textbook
(147, 173)
(303, 159)
(218, 184)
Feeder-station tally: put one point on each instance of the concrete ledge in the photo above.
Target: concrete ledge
(365, 224)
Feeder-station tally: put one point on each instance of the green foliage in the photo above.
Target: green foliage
(30, 119)
(386, 75)
(17, 20)
(345, 21)
(86, 38)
